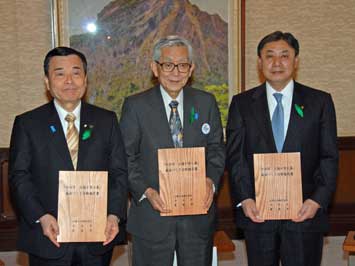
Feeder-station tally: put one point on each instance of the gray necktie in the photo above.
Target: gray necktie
(175, 125)
(278, 123)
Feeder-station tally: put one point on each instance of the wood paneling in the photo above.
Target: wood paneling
(8, 223)
(345, 192)
(6, 210)
(349, 243)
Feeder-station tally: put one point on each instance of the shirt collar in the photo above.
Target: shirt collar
(63, 113)
(287, 92)
(167, 99)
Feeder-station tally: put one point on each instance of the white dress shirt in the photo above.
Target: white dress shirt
(167, 99)
(63, 113)
(287, 94)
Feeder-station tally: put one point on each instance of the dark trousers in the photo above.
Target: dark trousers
(290, 247)
(77, 254)
(191, 248)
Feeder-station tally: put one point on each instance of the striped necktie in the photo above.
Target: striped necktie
(175, 125)
(72, 138)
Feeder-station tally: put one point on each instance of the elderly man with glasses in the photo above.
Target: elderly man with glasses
(160, 118)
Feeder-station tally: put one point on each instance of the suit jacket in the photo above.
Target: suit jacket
(38, 151)
(314, 135)
(145, 129)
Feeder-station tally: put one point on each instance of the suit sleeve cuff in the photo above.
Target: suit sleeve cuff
(142, 198)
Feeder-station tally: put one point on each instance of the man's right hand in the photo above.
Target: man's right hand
(250, 210)
(155, 200)
(50, 228)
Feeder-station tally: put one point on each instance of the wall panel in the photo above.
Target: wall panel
(25, 31)
(326, 32)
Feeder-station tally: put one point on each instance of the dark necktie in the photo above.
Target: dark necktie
(72, 138)
(175, 125)
(278, 123)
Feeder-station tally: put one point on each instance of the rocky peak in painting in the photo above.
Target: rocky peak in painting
(119, 54)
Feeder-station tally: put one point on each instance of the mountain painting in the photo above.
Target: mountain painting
(120, 51)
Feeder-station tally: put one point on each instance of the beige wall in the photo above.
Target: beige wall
(326, 32)
(25, 37)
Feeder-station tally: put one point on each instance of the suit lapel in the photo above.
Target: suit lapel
(56, 135)
(261, 114)
(160, 122)
(294, 131)
(86, 123)
(189, 103)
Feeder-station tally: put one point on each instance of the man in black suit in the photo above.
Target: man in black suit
(308, 126)
(39, 150)
(148, 124)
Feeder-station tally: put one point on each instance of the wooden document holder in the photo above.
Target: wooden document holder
(278, 185)
(182, 180)
(82, 206)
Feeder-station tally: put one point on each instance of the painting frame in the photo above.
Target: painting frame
(60, 37)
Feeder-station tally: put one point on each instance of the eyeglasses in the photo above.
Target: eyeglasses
(169, 67)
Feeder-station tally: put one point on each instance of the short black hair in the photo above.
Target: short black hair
(63, 51)
(277, 36)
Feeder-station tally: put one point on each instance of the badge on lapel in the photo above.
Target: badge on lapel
(52, 128)
(206, 128)
(299, 110)
(193, 115)
(87, 132)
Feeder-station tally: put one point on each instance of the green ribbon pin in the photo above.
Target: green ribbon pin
(299, 110)
(192, 115)
(87, 132)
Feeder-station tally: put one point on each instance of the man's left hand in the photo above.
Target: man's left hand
(209, 193)
(308, 211)
(111, 229)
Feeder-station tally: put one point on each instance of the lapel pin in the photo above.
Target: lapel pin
(193, 115)
(205, 128)
(299, 110)
(52, 128)
(87, 132)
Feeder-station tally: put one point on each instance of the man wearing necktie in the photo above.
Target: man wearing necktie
(161, 118)
(282, 115)
(64, 134)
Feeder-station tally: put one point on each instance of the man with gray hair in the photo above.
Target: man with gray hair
(161, 118)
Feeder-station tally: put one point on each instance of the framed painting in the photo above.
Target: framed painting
(117, 38)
